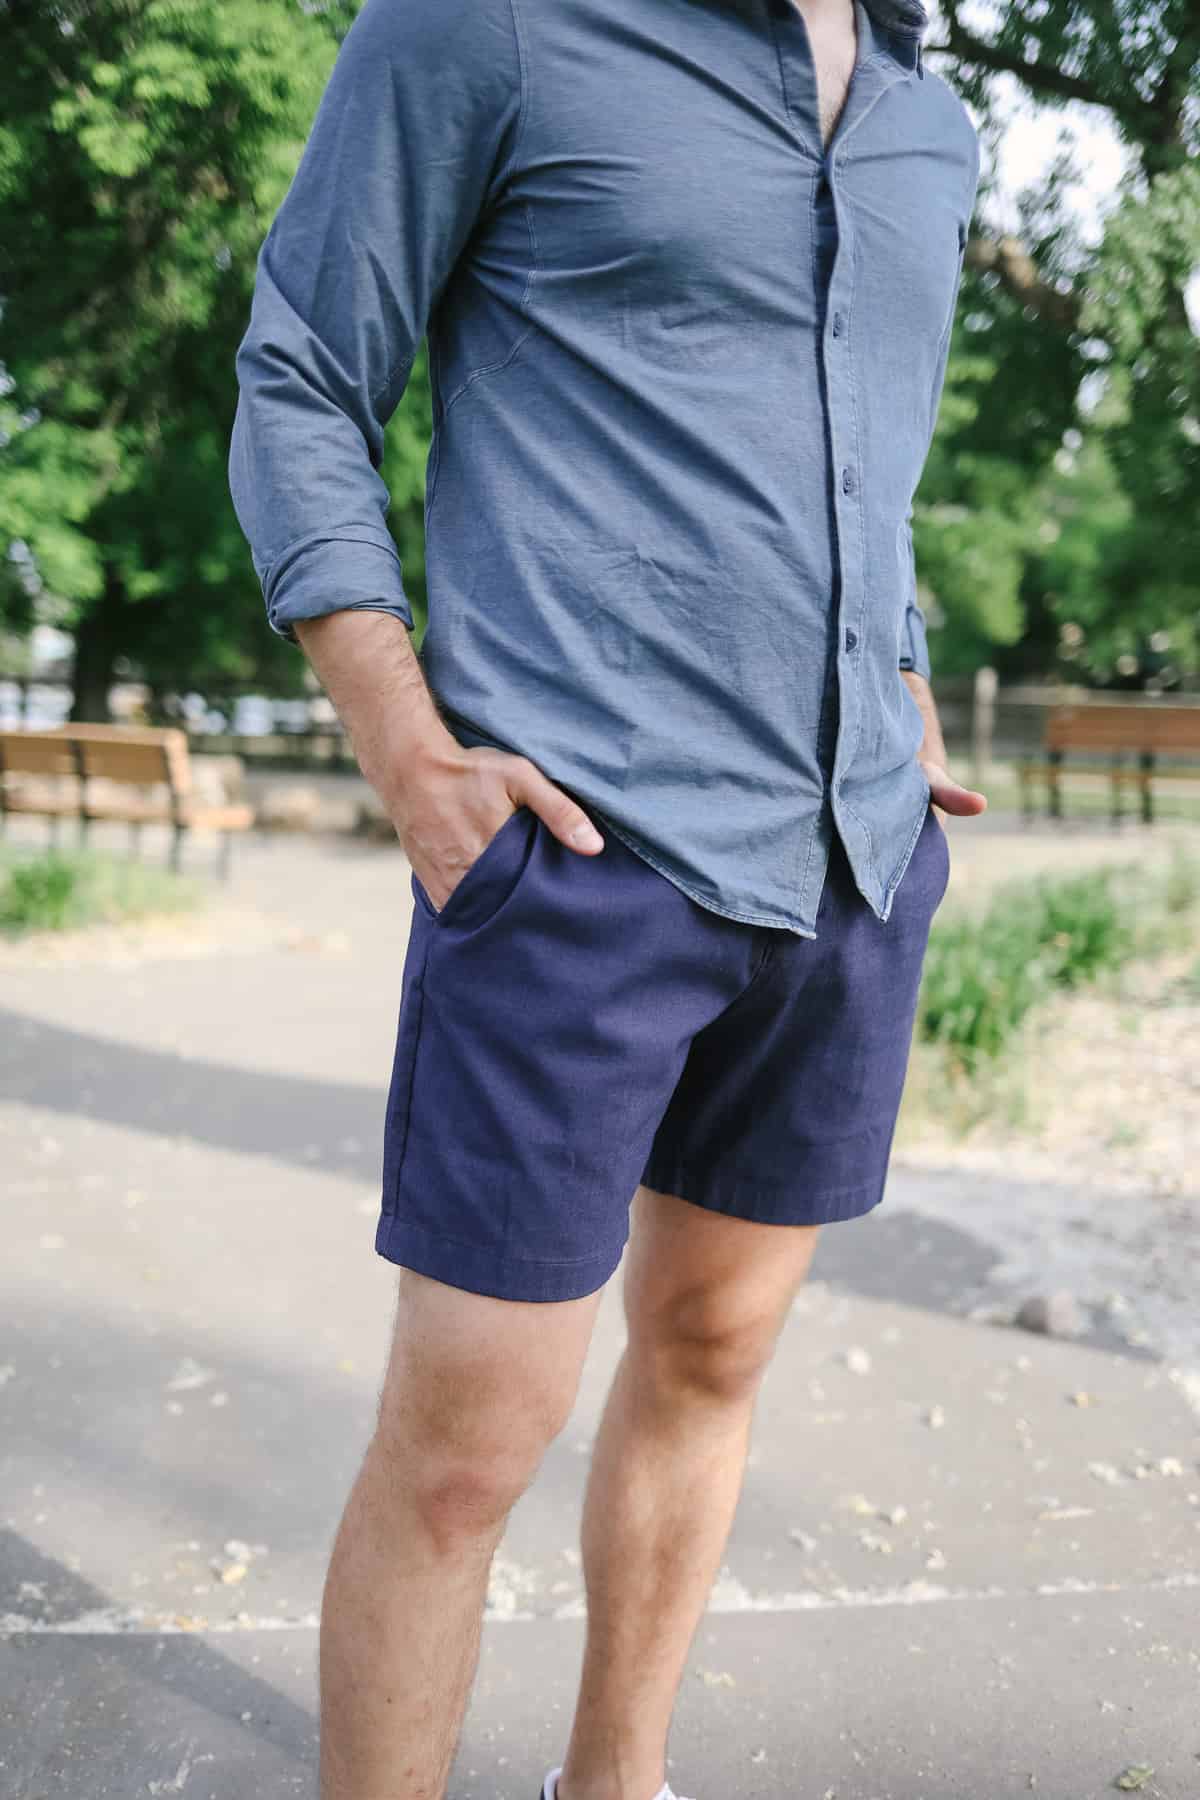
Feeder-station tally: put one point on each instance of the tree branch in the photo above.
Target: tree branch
(1008, 260)
(1040, 78)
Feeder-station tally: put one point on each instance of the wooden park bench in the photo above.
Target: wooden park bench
(108, 772)
(1130, 741)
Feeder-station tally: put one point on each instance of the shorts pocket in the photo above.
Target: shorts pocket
(408, 1032)
(944, 854)
(484, 887)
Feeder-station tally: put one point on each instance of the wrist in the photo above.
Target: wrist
(410, 762)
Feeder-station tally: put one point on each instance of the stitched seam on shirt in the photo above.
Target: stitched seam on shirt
(791, 117)
(523, 69)
(495, 367)
(535, 256)
(488, 369)
(401, 369)
(782, 77)
(905, 859)
(862, 533)
(854, 253)
(812, 238)
(435, 446)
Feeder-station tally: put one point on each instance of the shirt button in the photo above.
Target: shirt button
(838, 322)
(851, 639)
(847, 481)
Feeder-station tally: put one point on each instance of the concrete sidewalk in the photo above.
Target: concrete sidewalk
(966, 1563)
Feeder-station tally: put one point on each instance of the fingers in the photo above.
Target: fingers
(527, 786)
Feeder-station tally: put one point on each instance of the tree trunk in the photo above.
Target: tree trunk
(97, 646)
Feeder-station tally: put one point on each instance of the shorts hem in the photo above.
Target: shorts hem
(757, 1204)
(481, 1271)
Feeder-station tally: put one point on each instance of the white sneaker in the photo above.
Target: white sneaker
(550, 1788)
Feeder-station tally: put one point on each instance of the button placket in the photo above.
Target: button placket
(843, 452)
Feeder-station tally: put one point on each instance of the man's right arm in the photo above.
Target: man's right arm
(447, 802)
(412, 133)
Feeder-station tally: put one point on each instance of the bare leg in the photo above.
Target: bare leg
(705, 1298)
(475, 1391)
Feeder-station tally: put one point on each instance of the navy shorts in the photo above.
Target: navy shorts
(571, 1026)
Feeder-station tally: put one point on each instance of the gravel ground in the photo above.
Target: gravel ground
(1095, 1123)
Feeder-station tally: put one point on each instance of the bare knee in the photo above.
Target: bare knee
(459, 1496)
(707, 1343)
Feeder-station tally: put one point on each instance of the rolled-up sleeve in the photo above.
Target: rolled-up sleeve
(409, 147)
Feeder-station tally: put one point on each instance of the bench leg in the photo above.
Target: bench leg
(1117, 797)
(175, 854)
(1147, 772)
(1053, 789)
(135, 836)
(225, 855)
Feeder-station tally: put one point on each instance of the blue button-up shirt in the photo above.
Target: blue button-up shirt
(686, 361)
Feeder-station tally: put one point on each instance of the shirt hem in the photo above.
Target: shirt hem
(710, 905)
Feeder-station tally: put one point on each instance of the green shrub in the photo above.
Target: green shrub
(43, 894)
(983, 974)
(58, 891)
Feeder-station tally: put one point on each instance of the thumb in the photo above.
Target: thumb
(527, 786)
(951, 796)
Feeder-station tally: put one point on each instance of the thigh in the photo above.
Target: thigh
(468, 1368)
(704, 1276)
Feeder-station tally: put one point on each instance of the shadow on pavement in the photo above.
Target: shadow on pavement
(101, 1712)
(282, 1116)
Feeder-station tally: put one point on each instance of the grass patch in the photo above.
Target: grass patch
(66, 890)
(985, 974)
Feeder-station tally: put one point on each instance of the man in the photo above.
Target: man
(687, 270)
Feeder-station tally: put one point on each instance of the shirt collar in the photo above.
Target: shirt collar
(894, 28)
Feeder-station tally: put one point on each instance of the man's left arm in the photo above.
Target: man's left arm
(948, 795)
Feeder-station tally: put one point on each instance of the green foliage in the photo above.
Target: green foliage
(59, 892)
(985, 973)
(1064, 484)
(145, 147)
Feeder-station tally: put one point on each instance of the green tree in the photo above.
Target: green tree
(1075, 367)
(144, 146)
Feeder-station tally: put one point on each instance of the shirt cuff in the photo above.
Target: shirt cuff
(914, 646)
(358, 570)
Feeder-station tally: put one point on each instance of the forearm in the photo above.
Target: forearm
(933, 746)
(368, 667)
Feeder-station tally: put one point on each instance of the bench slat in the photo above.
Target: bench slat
(1161, 730)
(36, 753)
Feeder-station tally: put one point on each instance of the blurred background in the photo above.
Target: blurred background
(145, 147)
(193, 1068)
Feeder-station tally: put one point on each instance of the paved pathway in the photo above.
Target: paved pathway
(966, 1562)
